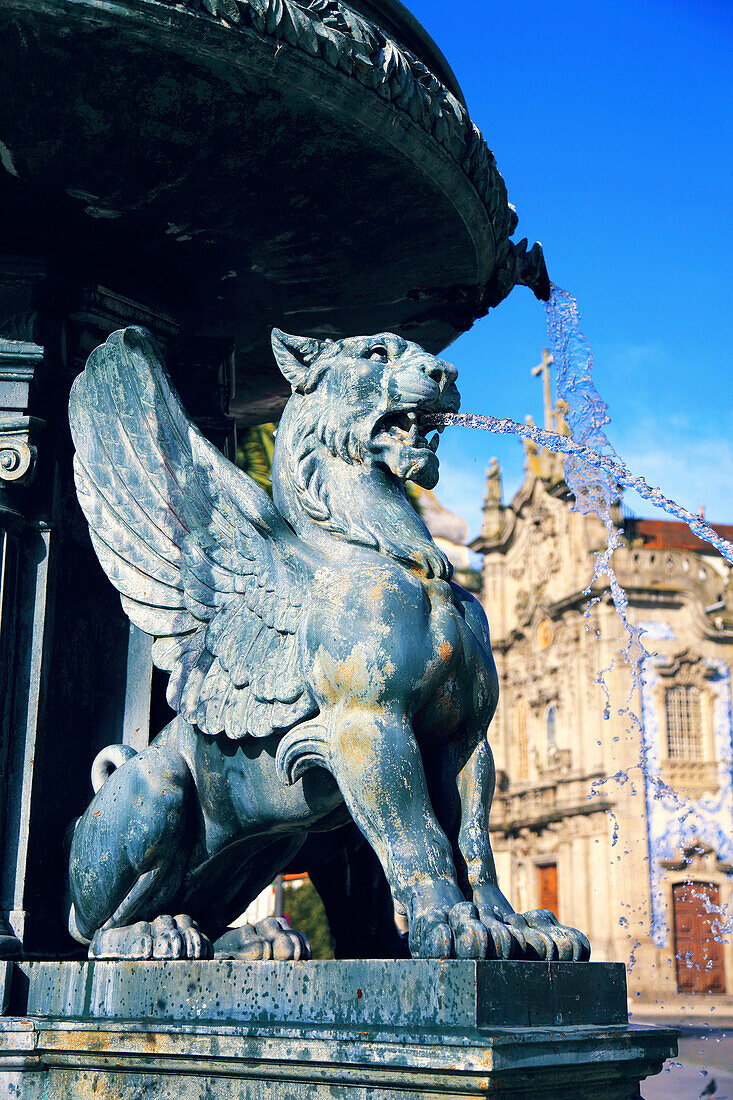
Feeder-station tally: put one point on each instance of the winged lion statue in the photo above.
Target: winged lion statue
(322, 663)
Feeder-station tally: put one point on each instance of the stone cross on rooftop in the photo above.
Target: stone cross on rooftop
(543, 368)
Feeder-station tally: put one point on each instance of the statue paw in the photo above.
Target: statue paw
(458, 932)
(271, 938)
(164, 938)
(556, 941)
(534, 935)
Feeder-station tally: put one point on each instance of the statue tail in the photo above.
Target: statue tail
(107, 761)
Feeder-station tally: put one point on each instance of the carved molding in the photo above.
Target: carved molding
(540, 693)
(691, 779)
(18, 363)
(18, 360)
(557, 762)
(688, 670)
(17, 452)
(698, 860)
(330, 31)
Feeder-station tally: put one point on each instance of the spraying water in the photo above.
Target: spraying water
(594, 473)
(585, 488)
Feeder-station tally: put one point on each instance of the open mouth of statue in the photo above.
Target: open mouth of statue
(410, 428)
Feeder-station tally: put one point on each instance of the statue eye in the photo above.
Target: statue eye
(379, 353)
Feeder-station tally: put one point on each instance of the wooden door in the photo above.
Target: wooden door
(700, 966)
(547, 877)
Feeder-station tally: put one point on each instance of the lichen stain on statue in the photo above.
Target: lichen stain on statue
(322, 663)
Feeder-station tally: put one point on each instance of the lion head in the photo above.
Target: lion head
(363, 418)
(372, 399)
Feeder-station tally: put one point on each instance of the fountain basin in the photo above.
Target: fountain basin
(236, 164)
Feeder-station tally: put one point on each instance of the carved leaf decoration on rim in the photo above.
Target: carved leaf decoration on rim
(224, 9)
(298, 28)
(361, 31)
(334, 47)
(330, 13)
(258, 14)
(274, 15)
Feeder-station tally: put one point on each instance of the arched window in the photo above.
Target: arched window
(521, 740)
(551, 729)
(684, 722)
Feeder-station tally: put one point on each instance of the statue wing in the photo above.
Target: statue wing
(202, 559)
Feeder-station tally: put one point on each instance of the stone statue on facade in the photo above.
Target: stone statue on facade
(322, 663)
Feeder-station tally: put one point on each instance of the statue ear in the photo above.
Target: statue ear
(295, 356)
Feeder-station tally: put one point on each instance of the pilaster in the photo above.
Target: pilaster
(19, 362)
(74, 676)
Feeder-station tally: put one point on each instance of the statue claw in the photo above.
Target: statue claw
(567, 944)
(459, 932)
(272, 938)
(166, 937)
(534, 935)
(503, 939)
(470, 937)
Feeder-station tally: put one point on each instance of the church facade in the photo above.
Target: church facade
(614, 803)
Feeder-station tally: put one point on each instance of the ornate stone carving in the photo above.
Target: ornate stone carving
(698, 860)
(523, 606)
(18, 362)
(687, 669)
(314, 644)
(493, 509)
(17, 453)
(558, 762)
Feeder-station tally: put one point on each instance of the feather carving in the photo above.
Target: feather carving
(202, 559)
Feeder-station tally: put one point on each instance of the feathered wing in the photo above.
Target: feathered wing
(201, 557)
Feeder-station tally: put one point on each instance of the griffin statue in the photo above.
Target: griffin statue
(322, 664)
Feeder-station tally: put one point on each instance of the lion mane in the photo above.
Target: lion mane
(315, 430)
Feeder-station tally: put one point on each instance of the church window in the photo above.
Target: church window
(684, 723)
(551, 728)
(521, 740)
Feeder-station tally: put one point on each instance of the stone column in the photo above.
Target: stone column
(74, 676)
(19, 360)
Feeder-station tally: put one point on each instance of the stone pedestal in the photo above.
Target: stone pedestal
(357, 1030)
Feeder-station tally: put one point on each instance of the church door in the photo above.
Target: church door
(547, 875)
(700, 967)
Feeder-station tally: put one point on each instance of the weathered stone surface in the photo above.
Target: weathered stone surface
(291, 1031)
(6, 972)
(450, 996)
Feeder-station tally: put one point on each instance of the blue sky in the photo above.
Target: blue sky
(612, 124)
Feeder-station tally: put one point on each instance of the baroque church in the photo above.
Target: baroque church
(614, 802)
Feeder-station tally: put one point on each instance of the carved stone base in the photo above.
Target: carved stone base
(358, 1030)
